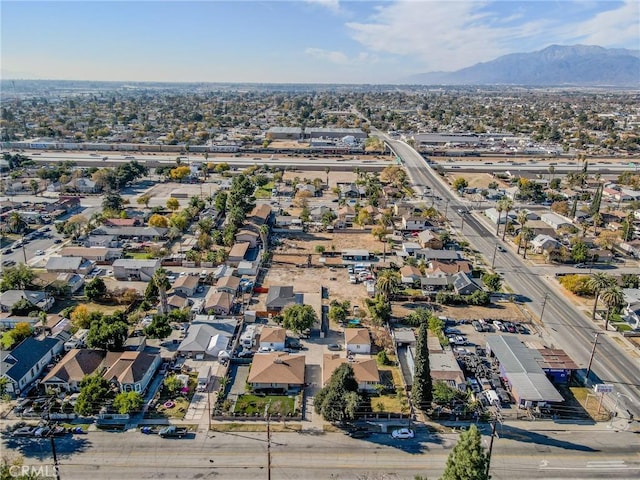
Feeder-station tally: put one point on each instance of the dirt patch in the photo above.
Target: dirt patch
(334, 177)
(332, 242)
(477, 179)
(500, 311)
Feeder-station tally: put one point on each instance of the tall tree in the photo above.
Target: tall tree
(612, 298)
(468, 459)
(387, 283)
(338, 401)
(522, 220)
(422, 388)
(94, 392)
(599, 282)
(499, 209)
(507, 204)
(162, 284)
(299, 318)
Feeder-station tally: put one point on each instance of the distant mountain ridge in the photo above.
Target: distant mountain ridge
(556, 65)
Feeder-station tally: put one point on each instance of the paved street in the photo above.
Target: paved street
(568, 328)
(551, 451)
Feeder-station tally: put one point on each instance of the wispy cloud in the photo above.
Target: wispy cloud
(333, 5)
(442, 35)
(331, 56)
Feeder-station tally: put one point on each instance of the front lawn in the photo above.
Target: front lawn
(264, 191)
(253, 404)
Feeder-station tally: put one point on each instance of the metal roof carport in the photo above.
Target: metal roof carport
(520, 367)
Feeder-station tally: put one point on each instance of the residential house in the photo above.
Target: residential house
(123, 222)
(555, 221)
(82, 185)
(207, 337)
(429, 239)
(414, 223)
(543, 243)
(104, 241)
(178, 301)
(9, 298)
(346, 215)
(131, 371)
(428, 254)
(67, 374)
(260, 215)
(137, 234)
(410, 247)
(74, 281)
(237, 253)
(248, 234)
(24, 364)
(135, 269)
(307, 187)
(229, 284)
(95, 254)
(351, 190)
(273, 338)
(494, 215)
(632, 310)
(444, 367)
(433, 284)
(358, 255)
(410, 274)
(186, 285)
(365, 370)
(220, 303)
(317, 213)
(463, 284)
(69, 265)
(9, 321)
(357, 340)
(277, 371)
(443, 269)
(279, 297)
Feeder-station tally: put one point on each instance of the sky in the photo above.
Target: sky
(303, 41)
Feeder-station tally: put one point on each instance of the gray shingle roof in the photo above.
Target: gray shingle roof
(26, 356)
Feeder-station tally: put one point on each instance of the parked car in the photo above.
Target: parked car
(24, 432)
(334, 346)
(403, 433)
(264, 350)
(359, 434)
(498, 325)
(39, 252)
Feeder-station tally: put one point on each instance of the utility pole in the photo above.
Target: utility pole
(544, 304)
(493, 260)
(268, 417)
(593, 352)
(493, 434)
(55, 458)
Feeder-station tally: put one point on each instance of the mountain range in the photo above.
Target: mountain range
(556, 65)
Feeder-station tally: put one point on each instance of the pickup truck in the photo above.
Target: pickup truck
(172, 431)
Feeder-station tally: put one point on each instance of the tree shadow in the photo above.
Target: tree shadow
(40, 448)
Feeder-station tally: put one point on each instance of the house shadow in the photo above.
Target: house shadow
(526, 436)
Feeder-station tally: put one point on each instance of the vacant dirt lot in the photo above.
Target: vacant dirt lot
(334, 177)
(500, 311)
(350, 239)
(476, 180)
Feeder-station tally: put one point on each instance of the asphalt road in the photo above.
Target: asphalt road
(517, 453)
(568, 328)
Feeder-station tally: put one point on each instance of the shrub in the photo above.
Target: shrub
(577, 284)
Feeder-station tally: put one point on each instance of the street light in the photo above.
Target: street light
(493, 261)
(593, 352)
(544, 304)
(614, 414)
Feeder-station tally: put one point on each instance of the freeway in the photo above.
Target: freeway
(567, 327)
(113, 159)
(549, 451)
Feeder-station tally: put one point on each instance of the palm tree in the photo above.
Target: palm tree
(507, 205)
(264, 235)
(327, 170)
(161, 282)
(597, 221)
(387, 283)
(612, 298)
(522, 220)
(527, 235)
(599, 282)
(16, 223)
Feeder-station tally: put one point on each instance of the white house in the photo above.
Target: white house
(24, 364)
(357, 340)
(543, 243)
(273, 338)
(555, 221)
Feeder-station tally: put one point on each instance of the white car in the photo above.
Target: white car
(39, 252)
(264, 350)
(402, 433)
